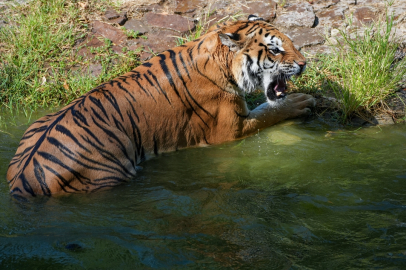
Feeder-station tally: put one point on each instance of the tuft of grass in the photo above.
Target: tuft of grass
(364, 68)
(38, 51)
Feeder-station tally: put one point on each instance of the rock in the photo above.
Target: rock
(323, 4)
(218, 5)
(383, 119)
(112, 33)
(150, 8)
(299, 14)
(332, 17)
(188, 6)
(315, 50)
(305, 37)
(398, 9)
(335, 32)
(347, 2)
(172, 22)
(364, 16)
(137, 26)
(265, 10)
(396, 103)
(157, 41)
(369, 2)
(113, 16)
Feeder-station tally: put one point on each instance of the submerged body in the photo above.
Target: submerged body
(190, 95)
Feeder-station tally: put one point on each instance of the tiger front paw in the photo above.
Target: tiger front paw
(299, 104)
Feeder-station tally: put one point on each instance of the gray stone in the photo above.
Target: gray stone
(305, 37)
(299, 14)
(322, 4)
(310, 52)
(172, 22)
(398, 9)
(332, 17)
(369, 2)
(347, 2)
(137, 26)
(265, 9)
(218, 5)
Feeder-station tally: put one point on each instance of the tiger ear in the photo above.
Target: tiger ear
(227, 41)
(255, 18)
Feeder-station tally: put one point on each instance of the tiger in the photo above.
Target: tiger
(191, 95)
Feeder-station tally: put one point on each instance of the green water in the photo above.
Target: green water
(294, 196)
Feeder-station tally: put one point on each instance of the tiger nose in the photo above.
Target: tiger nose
(302, 65)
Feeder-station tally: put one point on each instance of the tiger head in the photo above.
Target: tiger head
(264, 58)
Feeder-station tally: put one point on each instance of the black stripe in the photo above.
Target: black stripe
(169, 75)
(63, 180)
(184, 64)
(26, 185)
(99, 105)
(40, 176)
(66, 132)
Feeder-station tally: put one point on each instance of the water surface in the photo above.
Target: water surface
(298, 195)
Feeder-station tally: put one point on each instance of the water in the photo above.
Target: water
(295, 196)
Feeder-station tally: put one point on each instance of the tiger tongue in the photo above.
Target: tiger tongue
(280, 87)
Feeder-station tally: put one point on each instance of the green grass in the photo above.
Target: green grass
(362, 73)
(364, 68)
(38, 51)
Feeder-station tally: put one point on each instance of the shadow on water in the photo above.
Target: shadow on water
(294, 196)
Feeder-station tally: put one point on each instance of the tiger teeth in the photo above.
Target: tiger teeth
(278, 94)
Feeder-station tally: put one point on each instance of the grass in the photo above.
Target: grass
(361, 74)
(364, 68)
(38, 50)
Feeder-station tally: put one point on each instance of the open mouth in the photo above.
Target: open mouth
(277, 88)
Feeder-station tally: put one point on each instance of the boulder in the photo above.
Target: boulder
(299, 14)
(175, 22)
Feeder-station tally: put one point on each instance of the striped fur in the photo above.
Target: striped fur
(189, 96)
